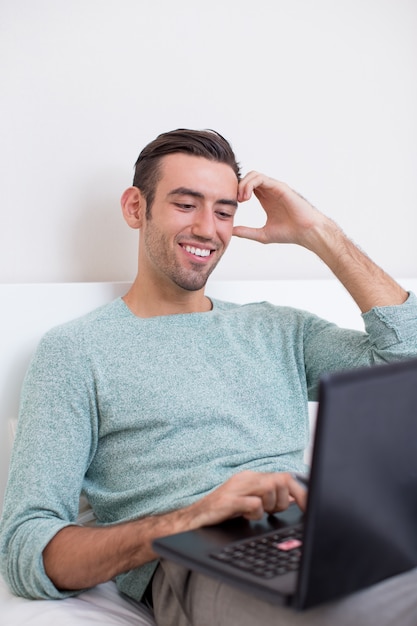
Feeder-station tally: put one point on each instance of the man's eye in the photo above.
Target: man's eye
(224, 215)
(185, 207)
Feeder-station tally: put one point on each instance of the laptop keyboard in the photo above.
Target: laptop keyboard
(267, 556)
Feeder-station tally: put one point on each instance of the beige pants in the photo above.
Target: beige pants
(184, 598)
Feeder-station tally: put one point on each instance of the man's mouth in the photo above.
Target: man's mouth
(200, 252)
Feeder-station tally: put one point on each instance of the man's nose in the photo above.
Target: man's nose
(204, 224)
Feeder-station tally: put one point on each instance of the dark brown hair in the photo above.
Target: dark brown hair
(204, 143)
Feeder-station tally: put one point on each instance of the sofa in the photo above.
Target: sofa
(29, 310)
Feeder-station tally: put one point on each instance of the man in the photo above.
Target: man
(173, 411)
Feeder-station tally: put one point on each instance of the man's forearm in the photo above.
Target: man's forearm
(292, 219)
(81, 557)
(367, 283)
(78, 557)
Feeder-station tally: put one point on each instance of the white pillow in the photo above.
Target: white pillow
(102, 605)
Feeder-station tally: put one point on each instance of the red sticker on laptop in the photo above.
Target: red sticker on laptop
(289, 544)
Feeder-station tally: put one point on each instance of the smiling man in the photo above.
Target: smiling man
(183, 232)
(172, 411)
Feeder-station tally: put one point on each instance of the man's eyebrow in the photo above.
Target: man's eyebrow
(185, 191)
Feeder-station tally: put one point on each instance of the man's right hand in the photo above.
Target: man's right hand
(78, 557)
(249, 494)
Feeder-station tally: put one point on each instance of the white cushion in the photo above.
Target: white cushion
(102, 605)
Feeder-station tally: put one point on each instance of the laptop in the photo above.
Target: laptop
(360, 524)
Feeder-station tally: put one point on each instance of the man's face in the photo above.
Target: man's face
(191, 220)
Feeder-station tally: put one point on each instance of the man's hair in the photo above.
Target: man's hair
(203, 143)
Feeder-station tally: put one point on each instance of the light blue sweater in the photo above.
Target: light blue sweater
(149, 415)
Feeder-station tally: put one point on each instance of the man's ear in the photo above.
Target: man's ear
(133, 207)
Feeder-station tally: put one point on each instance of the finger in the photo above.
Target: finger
(298, 491)
(269, 501)
(253, 508)
(284, 490)
(282, 498)
(248, 184)
(273, 491)
(258, 183)
(246, 232)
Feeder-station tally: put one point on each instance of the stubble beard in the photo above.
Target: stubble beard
(158, 251)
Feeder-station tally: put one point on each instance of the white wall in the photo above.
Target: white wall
(319, 93)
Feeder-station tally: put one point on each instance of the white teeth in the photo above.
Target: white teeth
(197, 251)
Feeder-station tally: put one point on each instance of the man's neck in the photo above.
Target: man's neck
(148, 300)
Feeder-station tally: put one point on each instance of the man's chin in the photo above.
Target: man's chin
(192, 285)
(193, 282)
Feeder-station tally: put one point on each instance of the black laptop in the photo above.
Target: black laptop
(360, 525)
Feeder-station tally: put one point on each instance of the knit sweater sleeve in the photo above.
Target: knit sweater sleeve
(54, 443)
(390, 335)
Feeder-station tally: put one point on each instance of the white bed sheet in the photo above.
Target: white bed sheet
(102, 605)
